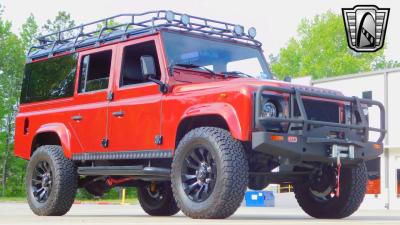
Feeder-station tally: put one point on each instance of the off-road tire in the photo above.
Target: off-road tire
(232, 174)
(164, 207)
(64, 181)
(353, 183)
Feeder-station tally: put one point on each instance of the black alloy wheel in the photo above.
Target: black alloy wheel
(41, 182)
(199, 174)
(209, 173)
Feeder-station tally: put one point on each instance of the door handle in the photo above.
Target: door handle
(77, 117)
(118, 113)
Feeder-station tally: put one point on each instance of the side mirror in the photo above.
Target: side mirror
(149, 72)
(148, 66)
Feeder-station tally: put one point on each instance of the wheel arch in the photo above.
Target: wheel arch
(221, 115)
(52, 134)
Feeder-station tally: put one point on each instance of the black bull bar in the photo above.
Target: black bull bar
(314, 132)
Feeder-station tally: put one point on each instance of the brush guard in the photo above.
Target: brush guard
(312, 141)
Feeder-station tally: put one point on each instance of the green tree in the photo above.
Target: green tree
(110, 24)
(321, 50)
(11, 69)
(62, 21)
(12, 60)
(29, 31)
(382, 63)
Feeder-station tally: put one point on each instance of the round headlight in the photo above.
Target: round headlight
(252, 32)
(170, 16)
(238, 30)
(185, 19)
(269, 110)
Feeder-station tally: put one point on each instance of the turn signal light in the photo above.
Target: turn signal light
(277, 138)
(377, 146)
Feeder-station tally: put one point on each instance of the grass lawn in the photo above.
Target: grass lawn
(84, 201)
(83, 197)
(12, 199)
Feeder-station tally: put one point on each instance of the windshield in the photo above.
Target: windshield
(217, 56)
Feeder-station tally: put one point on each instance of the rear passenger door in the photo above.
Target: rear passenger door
(89, 118)
(134, 113)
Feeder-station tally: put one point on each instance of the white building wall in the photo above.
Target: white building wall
(393, 109)
(394, 165)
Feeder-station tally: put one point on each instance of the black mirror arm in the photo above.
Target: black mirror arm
(171, 68)
(163, 87)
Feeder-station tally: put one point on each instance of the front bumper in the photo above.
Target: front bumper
(314, 142)
(300, 148)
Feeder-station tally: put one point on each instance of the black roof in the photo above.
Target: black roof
(122, 26)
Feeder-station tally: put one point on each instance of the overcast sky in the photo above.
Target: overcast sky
(276, 21)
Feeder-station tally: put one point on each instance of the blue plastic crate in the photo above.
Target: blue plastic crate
(260, 199)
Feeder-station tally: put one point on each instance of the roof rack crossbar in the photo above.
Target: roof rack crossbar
(111, 28)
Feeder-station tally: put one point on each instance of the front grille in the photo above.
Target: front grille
(319, 110)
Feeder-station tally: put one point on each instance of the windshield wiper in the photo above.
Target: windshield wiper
(226, 73)
(236, 73)
(194, 66)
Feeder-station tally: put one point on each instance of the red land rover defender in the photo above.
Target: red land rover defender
(185, 109)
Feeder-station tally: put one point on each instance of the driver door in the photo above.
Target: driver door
(134, 113)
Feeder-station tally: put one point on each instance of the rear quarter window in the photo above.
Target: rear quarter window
(49, 79)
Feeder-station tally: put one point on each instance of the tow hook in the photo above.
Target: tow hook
(338, 152)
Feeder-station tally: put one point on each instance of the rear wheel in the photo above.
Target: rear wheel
(51, 181)
(156, 199)
(318, 198)
(209, 173)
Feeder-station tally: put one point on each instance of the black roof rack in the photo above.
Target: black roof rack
(122, 26)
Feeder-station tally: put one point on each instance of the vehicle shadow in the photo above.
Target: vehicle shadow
(251, 218)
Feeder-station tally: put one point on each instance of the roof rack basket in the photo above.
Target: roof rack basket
(122, 26)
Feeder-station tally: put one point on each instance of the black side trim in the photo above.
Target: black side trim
(138, 154)
(124, 171)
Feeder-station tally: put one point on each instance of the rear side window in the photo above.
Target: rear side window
(95, 71)
(50, 79)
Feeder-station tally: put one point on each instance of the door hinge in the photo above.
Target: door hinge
(104, 142)
(110, 96)
(158, 139)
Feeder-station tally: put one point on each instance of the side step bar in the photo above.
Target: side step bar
(139, 172)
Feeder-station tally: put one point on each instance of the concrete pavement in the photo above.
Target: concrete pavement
(19, 213)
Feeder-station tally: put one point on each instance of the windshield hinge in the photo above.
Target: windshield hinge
(158, 139)
(110, 96)
(104, 142)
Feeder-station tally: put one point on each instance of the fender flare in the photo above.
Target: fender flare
(225, 110)
(62, 132)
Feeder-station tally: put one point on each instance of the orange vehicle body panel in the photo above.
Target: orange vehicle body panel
(147, 112)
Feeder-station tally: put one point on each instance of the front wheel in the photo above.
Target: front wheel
(209, 173)
(318, 198)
